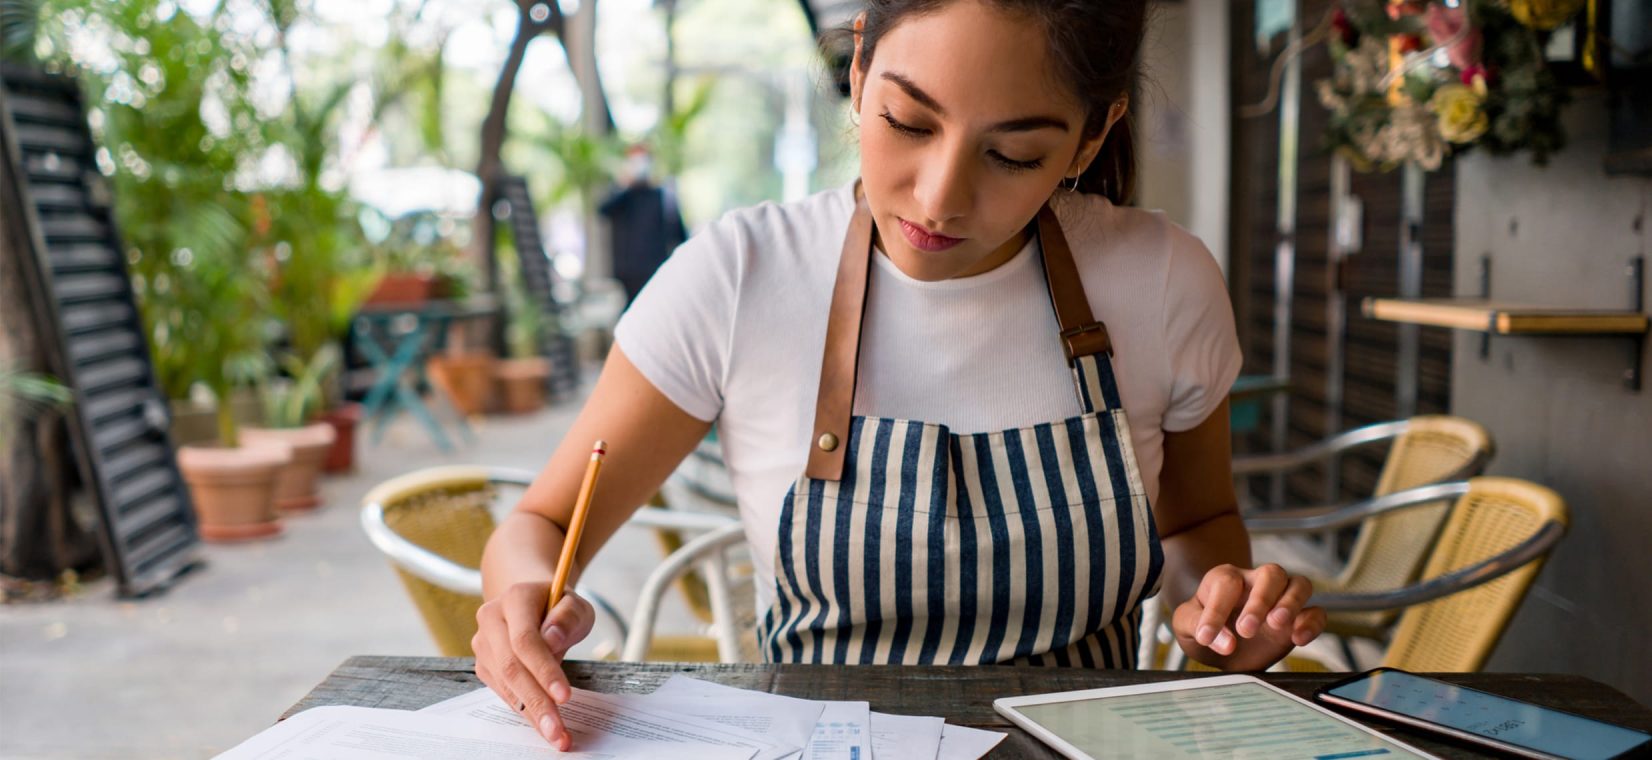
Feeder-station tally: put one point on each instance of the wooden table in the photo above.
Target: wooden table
(962, 695)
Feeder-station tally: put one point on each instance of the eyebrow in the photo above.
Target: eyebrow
(1026, 124)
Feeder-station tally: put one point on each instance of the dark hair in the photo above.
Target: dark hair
(1095, 46)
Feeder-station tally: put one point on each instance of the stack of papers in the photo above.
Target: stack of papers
(685, 719)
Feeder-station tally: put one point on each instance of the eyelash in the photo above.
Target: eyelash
(1008, 163)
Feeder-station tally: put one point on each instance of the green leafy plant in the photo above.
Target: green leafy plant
(292, 401)
(26, 394)
(526, 321)
(670, 137)
(170, 101)
(585, 161)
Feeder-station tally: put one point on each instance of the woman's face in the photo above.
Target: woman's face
(965, 131)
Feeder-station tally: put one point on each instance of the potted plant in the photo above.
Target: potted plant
(416, 263)
(220, 301)
(289, 407)
(523, 376)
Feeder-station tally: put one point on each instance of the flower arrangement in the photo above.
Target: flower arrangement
(1416, 81)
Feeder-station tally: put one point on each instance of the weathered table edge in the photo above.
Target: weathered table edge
(418, 682)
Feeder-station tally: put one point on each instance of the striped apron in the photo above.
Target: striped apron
(904, 542)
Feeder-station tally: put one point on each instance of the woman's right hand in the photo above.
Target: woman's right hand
(519, 650)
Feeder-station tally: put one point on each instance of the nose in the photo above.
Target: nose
(944, 189)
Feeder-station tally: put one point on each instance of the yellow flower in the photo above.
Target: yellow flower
(1544, 14)
(1458, 106)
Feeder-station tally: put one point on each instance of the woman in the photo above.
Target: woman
(1016, 366)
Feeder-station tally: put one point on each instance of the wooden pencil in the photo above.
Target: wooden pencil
(576, 526)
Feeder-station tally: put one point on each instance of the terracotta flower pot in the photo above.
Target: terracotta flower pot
(297, 488)
(234, 489)
(522, 384)
(402, 289)
(344, 419)
(467, 379)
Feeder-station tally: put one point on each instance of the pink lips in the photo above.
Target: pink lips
(924, 240)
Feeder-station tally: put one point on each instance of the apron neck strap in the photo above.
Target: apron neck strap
(1081, 336)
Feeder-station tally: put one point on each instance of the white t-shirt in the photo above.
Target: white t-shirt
(732, 327)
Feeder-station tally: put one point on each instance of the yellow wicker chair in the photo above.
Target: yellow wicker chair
(1389, 548)
(433, 524)
(1495, 539)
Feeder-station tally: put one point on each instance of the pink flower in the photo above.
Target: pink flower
(1450, 28)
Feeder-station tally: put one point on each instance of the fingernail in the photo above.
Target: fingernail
(554, 636)
(1248, 625)
(547, 729)
(1278, 618)
(1205, 634)
(1222, 642)
(560, 692)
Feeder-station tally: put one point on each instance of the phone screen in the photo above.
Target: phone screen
(1507, 720)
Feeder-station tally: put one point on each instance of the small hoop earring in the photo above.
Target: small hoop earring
(1072, 188)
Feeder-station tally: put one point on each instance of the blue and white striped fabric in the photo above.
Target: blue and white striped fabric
(1032, 546)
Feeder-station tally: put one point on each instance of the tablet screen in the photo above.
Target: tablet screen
(1244, 720)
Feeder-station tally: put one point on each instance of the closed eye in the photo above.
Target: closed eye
(1014, 165)
(1002, 160)
(904, 129)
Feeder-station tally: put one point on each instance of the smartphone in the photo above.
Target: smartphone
(1484, 719)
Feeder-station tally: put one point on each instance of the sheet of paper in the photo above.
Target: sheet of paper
(843, 733)
(965, 743)
(365, 733)
(595, 718)
(788, 720)
(905, 736)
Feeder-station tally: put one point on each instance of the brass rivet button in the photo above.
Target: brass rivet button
(828, 442)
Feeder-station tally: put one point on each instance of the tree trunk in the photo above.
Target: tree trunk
(580, 40)
(39, 537)
(495, 128)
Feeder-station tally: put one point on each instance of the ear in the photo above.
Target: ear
(1088, 149)
(857, 75)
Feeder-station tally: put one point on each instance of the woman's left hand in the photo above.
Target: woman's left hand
(1247, 619)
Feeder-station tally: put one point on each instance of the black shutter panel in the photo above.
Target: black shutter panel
(556, 344)
(99, 349)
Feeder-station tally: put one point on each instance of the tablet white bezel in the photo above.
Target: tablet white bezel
(1009, 707)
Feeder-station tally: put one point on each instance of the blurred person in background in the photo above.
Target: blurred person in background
(645, 224)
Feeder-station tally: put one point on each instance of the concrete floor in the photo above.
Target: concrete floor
(192, 672)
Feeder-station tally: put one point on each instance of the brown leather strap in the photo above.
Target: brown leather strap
(836, 401)
(1081, 334)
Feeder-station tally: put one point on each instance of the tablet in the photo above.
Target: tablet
(1222, 716)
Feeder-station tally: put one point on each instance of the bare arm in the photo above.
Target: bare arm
(1228, 614)
(519, 644)
(1198, 513)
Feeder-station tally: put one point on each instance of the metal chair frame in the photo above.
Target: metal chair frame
(714, 535)
(1336, 445)
(1492, 568)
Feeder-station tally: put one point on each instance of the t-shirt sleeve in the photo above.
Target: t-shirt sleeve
(1204, 354)
(677, 331)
